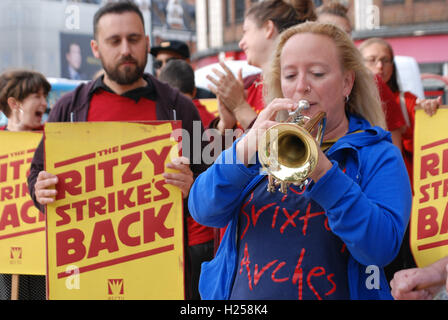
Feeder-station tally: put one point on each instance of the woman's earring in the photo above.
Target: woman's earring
(347, 97)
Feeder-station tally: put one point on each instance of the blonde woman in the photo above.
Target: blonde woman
(324, 240)
(379, 59)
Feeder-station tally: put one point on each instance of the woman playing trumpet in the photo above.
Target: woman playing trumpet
(331, 238)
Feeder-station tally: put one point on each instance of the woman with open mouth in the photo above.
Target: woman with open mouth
(23, 100)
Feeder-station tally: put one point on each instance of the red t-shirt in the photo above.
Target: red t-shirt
(198, 233)
(206, 116)
(408, 136)
(108, 106)
(392, 110)
(255, 94)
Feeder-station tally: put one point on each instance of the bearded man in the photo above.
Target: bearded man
(126, 93)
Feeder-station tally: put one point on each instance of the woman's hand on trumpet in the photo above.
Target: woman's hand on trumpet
(247, 147)
(322, 167)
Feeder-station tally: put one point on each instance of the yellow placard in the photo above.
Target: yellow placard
(115, 230)
(429, 219)
(22, 226)
(211, 105)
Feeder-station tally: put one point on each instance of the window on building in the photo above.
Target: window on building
(386, 2)
(240, 8)
(228, 12)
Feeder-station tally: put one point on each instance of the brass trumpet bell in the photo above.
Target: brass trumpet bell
(288, 152)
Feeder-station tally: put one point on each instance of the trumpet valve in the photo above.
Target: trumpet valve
(296, 115)
(284, 187)
(271, 184)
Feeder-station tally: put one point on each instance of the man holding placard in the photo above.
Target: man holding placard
(124, 93)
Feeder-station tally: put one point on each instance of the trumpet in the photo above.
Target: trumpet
(288, 152)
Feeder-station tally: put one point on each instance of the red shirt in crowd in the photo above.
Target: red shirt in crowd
(254, 86)
(408, 136)
(392, 110)
(206, 116)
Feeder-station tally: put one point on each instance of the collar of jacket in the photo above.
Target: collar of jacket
(147, 91)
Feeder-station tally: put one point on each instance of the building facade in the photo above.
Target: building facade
(53, 36)
(34, 33)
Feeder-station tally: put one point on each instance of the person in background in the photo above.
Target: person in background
(23, 100)
(171, 50)
(240, 100)
(315, 241)
(123, 93)
(180, 75)
(336, 13)
(73, 56)
(379, 58)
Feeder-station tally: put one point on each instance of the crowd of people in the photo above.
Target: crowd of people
(351, 212)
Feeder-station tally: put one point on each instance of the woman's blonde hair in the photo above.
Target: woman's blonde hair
(364, 98)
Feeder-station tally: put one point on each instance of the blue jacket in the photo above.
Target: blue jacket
(368, 208)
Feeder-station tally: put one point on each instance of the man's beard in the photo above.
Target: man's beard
(127, 75)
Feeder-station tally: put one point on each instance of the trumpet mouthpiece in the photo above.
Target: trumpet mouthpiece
(301, 105)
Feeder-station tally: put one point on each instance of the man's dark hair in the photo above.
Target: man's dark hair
(179, 74)
(117, 8)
